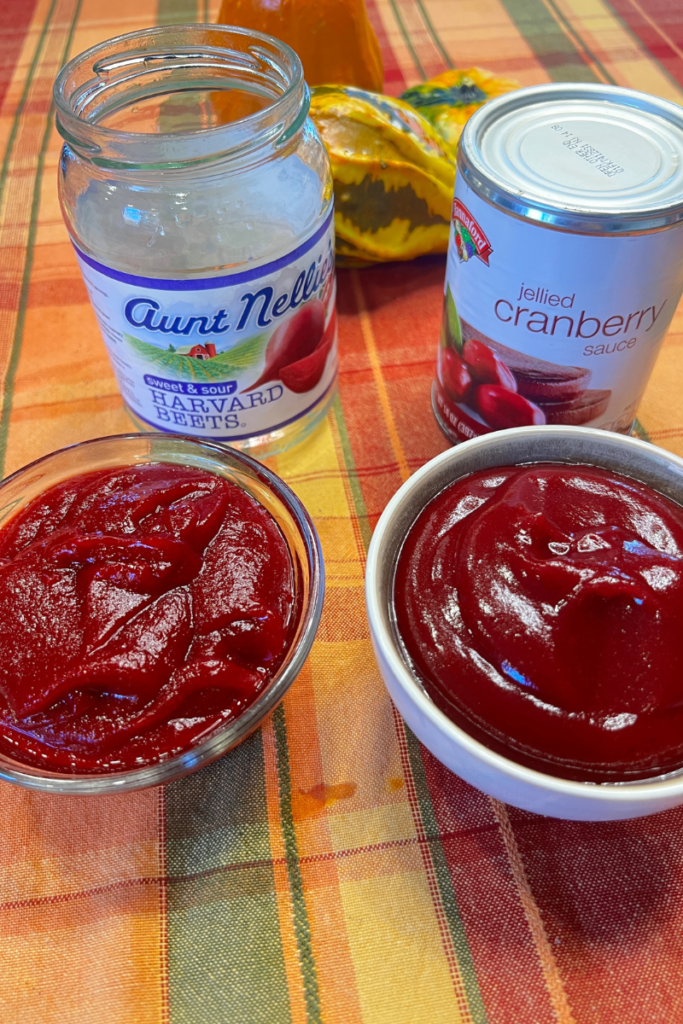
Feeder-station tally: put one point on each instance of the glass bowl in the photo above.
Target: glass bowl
(304, 547)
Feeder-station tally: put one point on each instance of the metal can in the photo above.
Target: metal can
(565, 262)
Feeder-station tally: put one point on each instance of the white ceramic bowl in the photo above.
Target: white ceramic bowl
(496, 775)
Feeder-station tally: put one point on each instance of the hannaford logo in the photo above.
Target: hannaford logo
(470, 240)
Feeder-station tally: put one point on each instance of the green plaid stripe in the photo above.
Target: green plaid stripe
(224, 951)
(177, 12)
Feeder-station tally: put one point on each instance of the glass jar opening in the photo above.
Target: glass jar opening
(180, 94)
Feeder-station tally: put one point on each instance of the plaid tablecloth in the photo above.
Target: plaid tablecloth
(329, 869)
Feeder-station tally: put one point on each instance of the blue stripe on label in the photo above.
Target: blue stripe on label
(177, 429)
(206, 283)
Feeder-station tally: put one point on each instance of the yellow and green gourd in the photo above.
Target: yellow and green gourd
(449, 100)
(393, 162)
(393, 178)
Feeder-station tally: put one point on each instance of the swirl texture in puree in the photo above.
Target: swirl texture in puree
(542, 608)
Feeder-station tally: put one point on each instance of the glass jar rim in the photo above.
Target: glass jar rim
(87, 81)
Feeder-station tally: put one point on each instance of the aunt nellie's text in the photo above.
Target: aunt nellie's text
(146, 313)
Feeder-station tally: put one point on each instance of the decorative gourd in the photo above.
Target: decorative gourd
(449, 99)
(393, 178)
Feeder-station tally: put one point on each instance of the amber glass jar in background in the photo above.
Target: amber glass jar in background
(334, 38)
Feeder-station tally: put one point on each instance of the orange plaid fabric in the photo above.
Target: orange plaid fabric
(329, 869)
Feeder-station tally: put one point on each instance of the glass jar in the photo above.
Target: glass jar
(198, 196)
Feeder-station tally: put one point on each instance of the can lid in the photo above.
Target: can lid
(578, 157)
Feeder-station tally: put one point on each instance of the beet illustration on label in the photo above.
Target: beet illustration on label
(304, 374)
(291, 344)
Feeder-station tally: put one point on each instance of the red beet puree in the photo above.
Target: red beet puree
(543, 608)
(139, 608)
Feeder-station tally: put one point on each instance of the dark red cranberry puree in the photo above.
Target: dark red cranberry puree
(139, 608)
(543, 608)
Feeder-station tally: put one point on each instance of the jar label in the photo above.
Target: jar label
(545, 326)
(227, 357)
